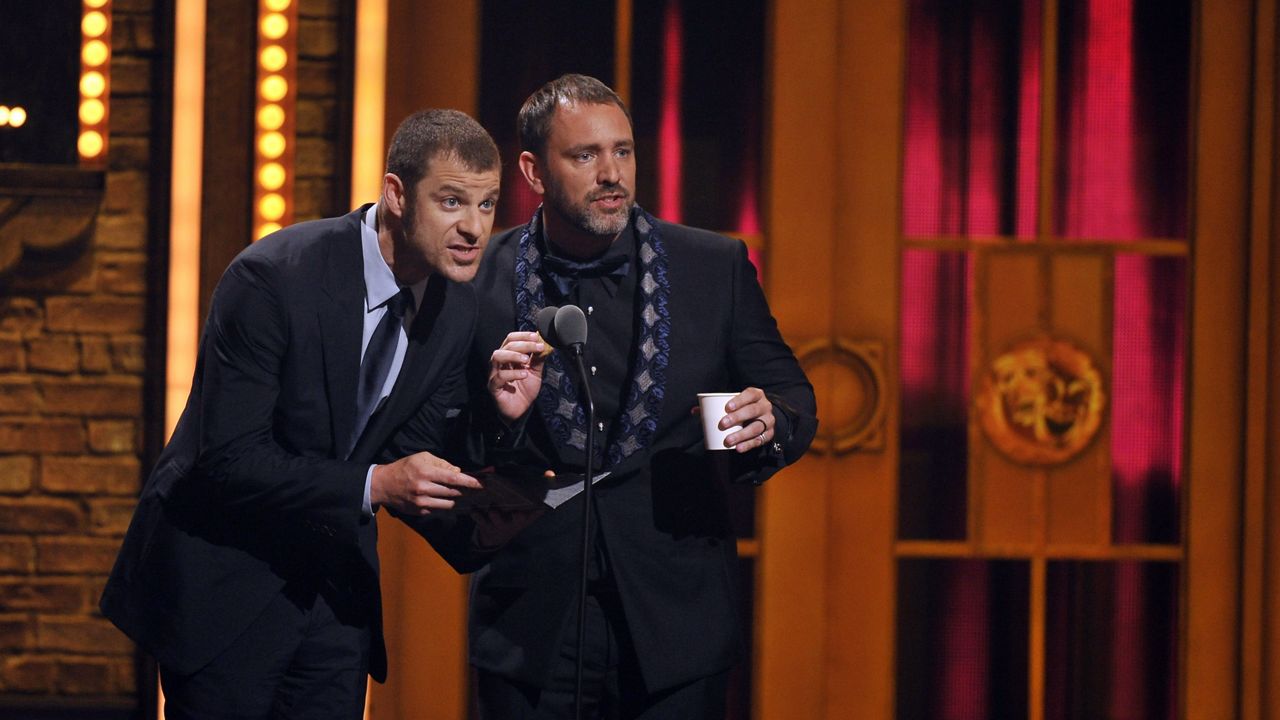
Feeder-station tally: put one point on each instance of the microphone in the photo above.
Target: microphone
(545, 320)
(564, 327)
(570, 327)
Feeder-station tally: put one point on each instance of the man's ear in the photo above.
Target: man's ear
(532, 171)
(393, 194)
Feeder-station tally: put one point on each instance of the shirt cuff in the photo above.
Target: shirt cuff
(367, 507)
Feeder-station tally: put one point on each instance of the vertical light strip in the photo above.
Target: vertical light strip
(368, 118)
(370, 101)
(184, 215)
(622, 50)
(95, 82)
(670, 137)
(184, 219)
(275, 116)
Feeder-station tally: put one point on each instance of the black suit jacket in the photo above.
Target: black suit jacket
(252, 491)
(663, 513)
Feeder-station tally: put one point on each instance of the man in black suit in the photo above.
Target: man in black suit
(672, 311)
(250, 568)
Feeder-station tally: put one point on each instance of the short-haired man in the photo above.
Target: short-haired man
(250, 568)
(672, 311)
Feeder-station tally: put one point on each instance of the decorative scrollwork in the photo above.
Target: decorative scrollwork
(850, 381)
(1041, 401)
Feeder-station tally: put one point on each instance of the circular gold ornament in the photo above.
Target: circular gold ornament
(1041, 401)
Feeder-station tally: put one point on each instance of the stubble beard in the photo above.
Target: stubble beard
(582, 216)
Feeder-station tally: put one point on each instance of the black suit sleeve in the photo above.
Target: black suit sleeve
(759, 357)
(241, 358)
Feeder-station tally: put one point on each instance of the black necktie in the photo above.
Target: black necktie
(377, 360)
(566, 273)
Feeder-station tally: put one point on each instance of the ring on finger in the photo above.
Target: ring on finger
(760, 437)
(762, 424)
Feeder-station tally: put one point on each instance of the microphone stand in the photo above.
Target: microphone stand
(586, 524)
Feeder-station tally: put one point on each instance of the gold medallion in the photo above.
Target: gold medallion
(1041, 401)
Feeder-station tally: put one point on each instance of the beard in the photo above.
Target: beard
(586, 218)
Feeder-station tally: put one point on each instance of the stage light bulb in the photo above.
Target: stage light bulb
(266, 229)
(17, 116)
(94, 4)
(92, 112)
(271, 117)
(92, 84)
(274, 26)
(90, 144)
(271, 206)
(4, 115)
(271, 176)
(94, 53)
(271, 145)
(273, 58)
(274, 88)
(277, 5)
(94, 24)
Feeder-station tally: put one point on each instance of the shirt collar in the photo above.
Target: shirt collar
(379, 283)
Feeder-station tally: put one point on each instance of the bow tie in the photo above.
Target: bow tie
(566, 273)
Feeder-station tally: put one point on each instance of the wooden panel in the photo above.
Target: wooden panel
(1005, 496)
(432, 54)
(1078, 298)
(1079, 492)
(1010, 506)
(1079, 499)
(1260, 634)
(800, 200)
(1013, 299)
(1215, 453)
(226, 199)
(862, 494)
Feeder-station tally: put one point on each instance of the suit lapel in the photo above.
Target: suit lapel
(341, 327)
(419, 368)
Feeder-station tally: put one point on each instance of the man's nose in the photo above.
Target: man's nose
(609, 173)
(471, 226)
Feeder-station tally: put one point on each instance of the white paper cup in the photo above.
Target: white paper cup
(712, 407)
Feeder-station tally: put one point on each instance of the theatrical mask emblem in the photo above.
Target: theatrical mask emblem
(1041, 402)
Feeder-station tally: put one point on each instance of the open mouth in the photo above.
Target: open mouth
(465, 252)
(610, 201)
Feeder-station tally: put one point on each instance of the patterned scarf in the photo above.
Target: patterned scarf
(566, 418)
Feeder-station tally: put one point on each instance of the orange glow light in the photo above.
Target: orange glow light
(271, 207)
(95, 53)
(271, 117)
(271, 176)
(274, 26)
(271, 145)
(92, 111)
(92, 84)
(273, 58)
(93, 24)
(17, 116)
(90, 143)
(274, 88)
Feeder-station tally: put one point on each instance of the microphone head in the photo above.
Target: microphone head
(545, 320)
(570, 326)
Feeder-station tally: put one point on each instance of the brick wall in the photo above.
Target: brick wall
(72, 364)
(318, 126)
(72, 369)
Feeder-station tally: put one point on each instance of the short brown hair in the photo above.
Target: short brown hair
(429, 134)
(534, 121)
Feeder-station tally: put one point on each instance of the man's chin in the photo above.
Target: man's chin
(459, 273)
